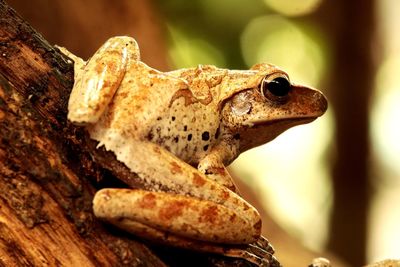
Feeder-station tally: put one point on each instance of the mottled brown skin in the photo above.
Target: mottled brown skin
(178, 130)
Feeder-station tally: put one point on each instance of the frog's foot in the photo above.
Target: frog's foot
(253, 254)
(256, 254)
(263, 243)
(263, 249)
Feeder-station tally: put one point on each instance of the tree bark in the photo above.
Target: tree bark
(47, 175)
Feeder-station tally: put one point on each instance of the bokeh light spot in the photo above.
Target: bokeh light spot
(274, 39)
(293, 8)
(185, 51)
(385, 132)
(385, 126)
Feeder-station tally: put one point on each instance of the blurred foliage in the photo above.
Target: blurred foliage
(218, 23)
(237, 34)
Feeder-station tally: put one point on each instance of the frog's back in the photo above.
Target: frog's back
(141, 97)
(152, 106)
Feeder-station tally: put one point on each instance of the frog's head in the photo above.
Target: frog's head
(263, 103)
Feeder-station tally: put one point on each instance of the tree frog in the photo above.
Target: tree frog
(178, 130)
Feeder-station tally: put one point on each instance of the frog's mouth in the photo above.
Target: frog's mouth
(266, 131)
(290, 122)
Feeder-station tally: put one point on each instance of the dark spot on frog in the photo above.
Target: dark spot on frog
(217, 134)
(185, 128)
(205, 136)
(176, 139)
(150, 136)
(189, 137)
(173, 118)
(205, 147)
(236, 136)
(158, 118)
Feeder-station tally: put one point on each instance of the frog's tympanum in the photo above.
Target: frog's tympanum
(178, 131)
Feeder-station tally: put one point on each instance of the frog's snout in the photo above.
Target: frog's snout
(321, 102)
(308, 101)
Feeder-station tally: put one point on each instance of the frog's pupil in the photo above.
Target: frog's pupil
(279, 86)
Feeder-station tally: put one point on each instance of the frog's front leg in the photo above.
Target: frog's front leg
(97, 80)
(213, 164)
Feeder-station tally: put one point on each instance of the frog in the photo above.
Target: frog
(178, 131)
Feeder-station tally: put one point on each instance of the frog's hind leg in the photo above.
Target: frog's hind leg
(97, 80)
(182, 215)
(258, 256)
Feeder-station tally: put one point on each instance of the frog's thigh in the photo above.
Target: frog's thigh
(98, 80)
(181, 215)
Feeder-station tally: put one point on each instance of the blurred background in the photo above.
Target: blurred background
(333, 185)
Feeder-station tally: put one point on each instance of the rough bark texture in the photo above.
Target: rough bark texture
(47, 176)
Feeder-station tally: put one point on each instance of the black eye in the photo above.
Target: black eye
(278, 87)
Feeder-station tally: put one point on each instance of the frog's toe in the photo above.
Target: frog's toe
(265, 244)
(267, 258)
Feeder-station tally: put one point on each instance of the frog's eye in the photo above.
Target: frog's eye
(276, 88)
